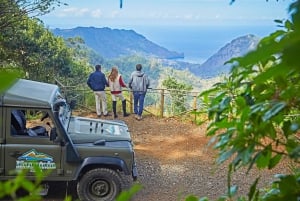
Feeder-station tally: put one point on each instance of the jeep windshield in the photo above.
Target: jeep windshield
(64, 111)
(82, 129)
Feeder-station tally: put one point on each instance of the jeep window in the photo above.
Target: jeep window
(29, 122)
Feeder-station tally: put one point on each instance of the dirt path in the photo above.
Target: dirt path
(175, 161)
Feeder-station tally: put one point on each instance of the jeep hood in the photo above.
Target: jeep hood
(88, 130)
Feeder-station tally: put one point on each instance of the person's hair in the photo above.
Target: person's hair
(97, 67)
(138, 67)
(113, 74)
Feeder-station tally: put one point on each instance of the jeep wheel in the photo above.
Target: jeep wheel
(99, 184)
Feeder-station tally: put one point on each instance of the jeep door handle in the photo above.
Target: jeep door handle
(15, 154)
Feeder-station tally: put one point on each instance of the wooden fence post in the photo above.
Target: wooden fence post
(131, 102)
(162, 102)
(195, 107)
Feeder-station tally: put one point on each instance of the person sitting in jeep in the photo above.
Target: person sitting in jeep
(18, 125)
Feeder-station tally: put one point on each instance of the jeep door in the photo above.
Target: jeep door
(28, 145)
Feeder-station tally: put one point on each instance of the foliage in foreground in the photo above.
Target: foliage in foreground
(254, 114)
(22, 189)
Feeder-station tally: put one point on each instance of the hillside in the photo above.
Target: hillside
(113, 43)
(238, 47)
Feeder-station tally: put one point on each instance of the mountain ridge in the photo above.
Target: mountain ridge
(236, 48)
(113, 43)
(117, 43)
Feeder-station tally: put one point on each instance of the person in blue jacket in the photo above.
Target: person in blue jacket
(97, 82)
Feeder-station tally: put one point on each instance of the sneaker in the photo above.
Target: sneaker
(139, 118)
(126, 115)
(136, 116)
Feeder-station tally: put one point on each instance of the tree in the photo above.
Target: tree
(178, 93)
(36, 50)
(16, 27)
(12, 12)
(254, 114)
(42, 56)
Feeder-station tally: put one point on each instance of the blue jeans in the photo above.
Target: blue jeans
(138, 102)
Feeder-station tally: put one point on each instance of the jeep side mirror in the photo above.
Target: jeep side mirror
(53, 134)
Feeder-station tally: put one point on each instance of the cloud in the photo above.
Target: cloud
(96, 13)
(79, 12)
(115, 14)
(73, 11)
(189, 17)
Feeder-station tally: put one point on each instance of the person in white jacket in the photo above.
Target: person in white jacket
(139, 84)
(116, 83)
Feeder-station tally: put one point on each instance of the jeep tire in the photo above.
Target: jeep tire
(99, 184)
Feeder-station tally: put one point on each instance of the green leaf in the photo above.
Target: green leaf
(286, 183)
(223, 140)
(253, 192)
(274, 161)
(204, 199)
(292, 147)
(295, 153)
(275, 109)
(212, 131)
(275, 71)
(245, 115)
(245, 154)
(127, 195)
(222, 198)
(193, 198)
(225, 103)
(264, 157)
(7, 78)
(225, 155)
(240, 101)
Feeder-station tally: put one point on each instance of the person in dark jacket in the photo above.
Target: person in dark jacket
(97, 82)
(139, 84)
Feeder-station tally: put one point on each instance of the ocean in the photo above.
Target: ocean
(199, 43)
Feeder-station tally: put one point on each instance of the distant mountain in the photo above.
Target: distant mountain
(113, 43)
(215, 64)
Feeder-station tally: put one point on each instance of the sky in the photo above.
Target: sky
(107, 13)
(194, 25)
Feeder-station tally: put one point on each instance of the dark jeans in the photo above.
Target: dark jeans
(138, 102)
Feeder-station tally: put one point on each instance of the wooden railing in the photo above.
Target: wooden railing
(158, 101)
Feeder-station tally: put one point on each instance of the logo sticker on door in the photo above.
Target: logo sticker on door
(31, 158)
